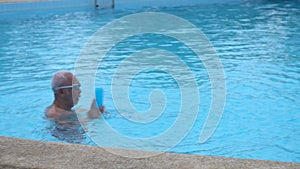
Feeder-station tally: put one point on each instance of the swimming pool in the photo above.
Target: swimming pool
(257, 42)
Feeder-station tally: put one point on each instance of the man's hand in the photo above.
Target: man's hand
(95, 112)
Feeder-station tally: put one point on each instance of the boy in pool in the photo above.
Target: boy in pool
(64, 99)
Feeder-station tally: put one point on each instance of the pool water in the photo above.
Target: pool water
(258, 44)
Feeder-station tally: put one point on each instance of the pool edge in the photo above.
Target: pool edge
(20, 153)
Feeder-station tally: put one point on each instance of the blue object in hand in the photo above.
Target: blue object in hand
(99, 96)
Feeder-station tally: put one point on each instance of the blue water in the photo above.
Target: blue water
(257, 42)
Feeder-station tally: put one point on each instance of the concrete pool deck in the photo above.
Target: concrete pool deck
(20, 153)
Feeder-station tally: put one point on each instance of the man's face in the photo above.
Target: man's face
(71, 95)
(76, 90)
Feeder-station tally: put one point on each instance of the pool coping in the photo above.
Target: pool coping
(21, 153)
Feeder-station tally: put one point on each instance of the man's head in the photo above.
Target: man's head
(66, 89)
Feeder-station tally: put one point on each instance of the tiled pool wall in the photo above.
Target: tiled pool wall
(153, 3)
(23, 9)
(33, 6)
(37, 5)
(26, 9)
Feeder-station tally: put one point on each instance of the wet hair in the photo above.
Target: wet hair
(60, 78)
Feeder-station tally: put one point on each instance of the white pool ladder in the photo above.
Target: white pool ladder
(112, 4)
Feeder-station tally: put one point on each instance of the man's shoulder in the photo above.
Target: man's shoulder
(51, 112)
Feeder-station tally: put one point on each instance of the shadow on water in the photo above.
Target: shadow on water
(68, 131)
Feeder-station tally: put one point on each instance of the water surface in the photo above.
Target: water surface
(257, 42)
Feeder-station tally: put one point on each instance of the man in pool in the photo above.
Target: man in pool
(66, 89)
